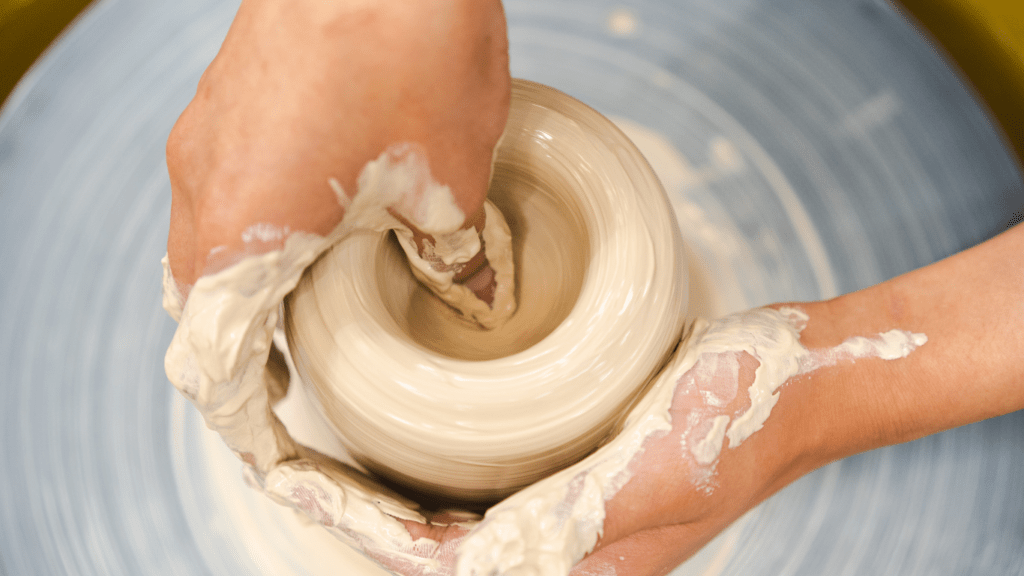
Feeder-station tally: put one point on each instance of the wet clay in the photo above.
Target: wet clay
(421, 395)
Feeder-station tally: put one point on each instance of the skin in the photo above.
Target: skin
(971, 307)
(306, 91)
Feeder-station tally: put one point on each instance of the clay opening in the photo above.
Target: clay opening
(551, 247)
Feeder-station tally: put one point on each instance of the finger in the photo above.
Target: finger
(439, 539)
(422, 239)
(432, 553)
(486, 295)
(477, 274)
(365, 515)
(482, 281)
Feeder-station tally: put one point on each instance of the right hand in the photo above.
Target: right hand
(302, 92)
(305, 91)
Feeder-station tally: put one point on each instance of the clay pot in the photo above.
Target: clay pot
(430, 401)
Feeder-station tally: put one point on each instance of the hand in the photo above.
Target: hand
(958, 322)
(302, 92)
(691, 482)
(675, 504)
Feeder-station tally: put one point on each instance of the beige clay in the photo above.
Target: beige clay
(421, 395)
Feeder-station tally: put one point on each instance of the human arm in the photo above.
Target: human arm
(971, 308)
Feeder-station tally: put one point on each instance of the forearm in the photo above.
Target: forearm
(971, 308)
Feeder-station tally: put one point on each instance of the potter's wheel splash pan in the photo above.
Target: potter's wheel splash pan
(812, 148)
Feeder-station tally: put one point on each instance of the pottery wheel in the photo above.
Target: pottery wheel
(810, 149)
